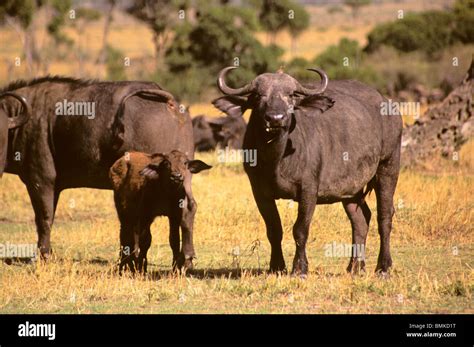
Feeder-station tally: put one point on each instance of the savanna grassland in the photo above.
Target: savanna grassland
(432, 249)
(432, 240)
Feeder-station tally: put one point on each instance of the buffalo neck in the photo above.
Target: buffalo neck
(271, 152)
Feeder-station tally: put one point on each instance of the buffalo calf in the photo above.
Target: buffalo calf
(150, 185)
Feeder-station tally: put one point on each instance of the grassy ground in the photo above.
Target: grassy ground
(432, 249)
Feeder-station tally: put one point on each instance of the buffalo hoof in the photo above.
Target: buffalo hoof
(300, 267)
(183, 263)
(356, 267)
(188, 264)
(278, 270)
(302, 276)
(384, 275)
(278, 266)
(142, 265)
(45, 254)
(383, 266)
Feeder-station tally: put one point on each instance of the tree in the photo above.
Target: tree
(355, 6)
(160, 16)
(298, 22)
(22, 16)
(221, 36)
(273, 17)
(277, 15)
(19, 15)
(60, 9)
(83, 16)
(108, 21)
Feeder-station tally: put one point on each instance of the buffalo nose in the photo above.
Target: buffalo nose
(274, 117)
(177, 176)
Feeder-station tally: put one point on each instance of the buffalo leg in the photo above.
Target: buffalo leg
(300, 233)
(44, 199)
(386, 182)
(174, 240)
(127, 247)
(359, 214)
(144, 246)
(187, 225)
(268, 209)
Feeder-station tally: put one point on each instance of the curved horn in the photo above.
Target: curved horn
(320, 90)
(150, 92)
(14, 122)
(224, 88)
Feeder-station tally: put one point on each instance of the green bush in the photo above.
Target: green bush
(199, 51)
(333, 60)
(428, 32)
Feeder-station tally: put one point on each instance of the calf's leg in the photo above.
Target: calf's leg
(144, 245)
(174, 240)
(127, 246)
(187, 226)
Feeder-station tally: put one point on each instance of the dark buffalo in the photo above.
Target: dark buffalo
(7, 104)
(203, 134)
(319, 146)
(227, 131)
(147, 186)
(76, 150)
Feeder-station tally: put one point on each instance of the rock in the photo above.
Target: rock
(444, 128)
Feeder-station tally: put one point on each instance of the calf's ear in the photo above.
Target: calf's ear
(117, 173)
(196, 166)
(233, 106)
(150, 171)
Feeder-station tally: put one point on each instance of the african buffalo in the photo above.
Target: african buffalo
(146, 186)
(319, 146)
(79, 128)
(7, 123)
(227, 131)
(203, 134)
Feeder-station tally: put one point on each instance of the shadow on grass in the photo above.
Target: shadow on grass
(207, 273)
(18, 260)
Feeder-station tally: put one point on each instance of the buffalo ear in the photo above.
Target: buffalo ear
(233, 106)
(151, 171)
(196, 166)
(317, 103)
(216, 123)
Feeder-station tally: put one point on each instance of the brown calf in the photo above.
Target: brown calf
(150, 185)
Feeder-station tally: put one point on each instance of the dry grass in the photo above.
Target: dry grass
(432, 241)
(433, 219)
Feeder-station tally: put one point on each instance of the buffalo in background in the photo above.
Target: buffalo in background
(226, 131)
